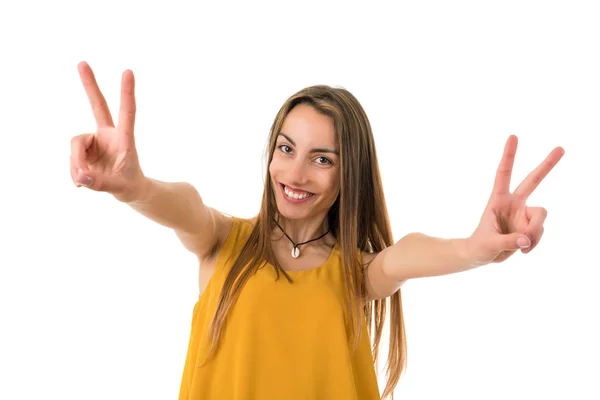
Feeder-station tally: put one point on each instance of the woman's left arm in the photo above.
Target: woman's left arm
(506, 226)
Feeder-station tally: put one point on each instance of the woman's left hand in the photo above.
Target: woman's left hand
(508, 224)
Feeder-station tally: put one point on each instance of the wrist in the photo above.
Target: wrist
(469, 253)
(138, 192)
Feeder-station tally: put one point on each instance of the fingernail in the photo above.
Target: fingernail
(523, 242)
(85, 180)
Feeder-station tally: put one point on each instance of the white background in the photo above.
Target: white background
(96, 300)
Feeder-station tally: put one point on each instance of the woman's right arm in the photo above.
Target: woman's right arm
(107, 161)
(179, 206)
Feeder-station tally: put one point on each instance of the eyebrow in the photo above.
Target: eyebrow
(316, 150)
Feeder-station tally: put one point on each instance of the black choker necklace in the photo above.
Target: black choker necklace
(295, 249)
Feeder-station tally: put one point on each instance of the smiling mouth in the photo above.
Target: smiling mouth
(294, 196)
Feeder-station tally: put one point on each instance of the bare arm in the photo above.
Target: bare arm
(415, 256)
(179, 206)
(506, 226)
(418, 256)
(107, 161)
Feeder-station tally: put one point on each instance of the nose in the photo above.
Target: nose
(298, 173)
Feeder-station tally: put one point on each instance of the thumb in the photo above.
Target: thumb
(85, 178)
(515, 241)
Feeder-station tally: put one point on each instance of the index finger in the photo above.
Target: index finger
(504, 172)
(97, 101)
(534, 178)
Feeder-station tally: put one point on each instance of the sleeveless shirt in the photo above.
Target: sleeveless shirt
(281, 340)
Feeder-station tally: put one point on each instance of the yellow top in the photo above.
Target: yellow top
(281, 340)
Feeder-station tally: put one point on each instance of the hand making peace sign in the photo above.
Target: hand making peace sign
(508, 224)
(107, 160)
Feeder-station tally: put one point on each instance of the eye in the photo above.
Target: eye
(282, 148)
(326, 162)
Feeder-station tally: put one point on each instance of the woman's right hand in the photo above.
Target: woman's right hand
(107, 160)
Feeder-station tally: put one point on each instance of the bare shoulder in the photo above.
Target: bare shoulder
(379, 286)
(223, 226)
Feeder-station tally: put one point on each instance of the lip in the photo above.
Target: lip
(282, 187)
(295, 189)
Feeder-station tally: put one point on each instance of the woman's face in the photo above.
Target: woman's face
(305, 164)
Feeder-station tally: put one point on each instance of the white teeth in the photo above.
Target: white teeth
(296, 195)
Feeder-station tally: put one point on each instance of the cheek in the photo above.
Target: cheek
(334, 184)
(273, 167)
(278, 166)
(275, 171)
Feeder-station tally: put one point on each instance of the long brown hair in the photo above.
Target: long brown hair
(356, 224)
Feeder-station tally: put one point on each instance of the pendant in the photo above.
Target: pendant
(295, 252)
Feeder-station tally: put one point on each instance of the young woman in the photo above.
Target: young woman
(292, 302)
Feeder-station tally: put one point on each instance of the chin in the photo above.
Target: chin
(290, 212)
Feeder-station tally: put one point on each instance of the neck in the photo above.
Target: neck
(302, 230)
